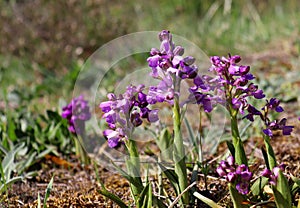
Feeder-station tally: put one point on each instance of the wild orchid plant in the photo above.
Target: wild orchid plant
(237, 89)
(77, 112)
(231, 86)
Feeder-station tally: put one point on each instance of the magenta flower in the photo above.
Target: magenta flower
(125, 112)
(169, 65)
(114, 136)
(77, 112)
(277, 125)
(163, 92)
(242, 187)
(202, 100)
(270, 126)
(273, 175)
(235, 174)
(273, 104)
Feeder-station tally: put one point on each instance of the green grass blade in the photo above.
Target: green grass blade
(150, 197)
(112, 196)
(143, 198)
(132, 180)
(48, 190)
(172, 176)
(206, 200)
(39, 201)
(191, 133)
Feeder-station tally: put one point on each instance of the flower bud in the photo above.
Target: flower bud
(231, 177)
(178, 51)
(189, 60)
(220, 171)
(266, 173)
(230, 160)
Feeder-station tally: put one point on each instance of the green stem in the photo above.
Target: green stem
(240, 155)
(270, 153)
(81, 151)
(179, 154)
(133, 168)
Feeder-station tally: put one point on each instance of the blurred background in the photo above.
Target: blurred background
(44, 43)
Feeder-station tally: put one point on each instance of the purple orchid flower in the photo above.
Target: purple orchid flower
(235, 174)
(77, 112)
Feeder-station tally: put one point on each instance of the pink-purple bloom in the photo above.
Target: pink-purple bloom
(232, 82)
(235, 174)
(271, 125)
(170, 66)
(125, 112)
(274, 104)
(77, 112)
(168, 60)
(273, 175)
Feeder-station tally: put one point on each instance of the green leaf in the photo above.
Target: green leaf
(243, 131)
(240, 155)
(191, 133)
(283, 194)
(3, 149)
(164, 142)
(26, 163)
(132, 180)
(270, 152)
(48, 190)
(194, 178)
(172, 176)
(280, 200)
(8, 164)
(54, 116)
(48, 150)
(296, 185)
(158, 202)
(39, 201)
(258, 185)
(296, 180)
(143, 197)
(10, 181)
(112, 196)
(264, 153)
(11, 128)
(206, 200)
(150, 196)
(231, 148)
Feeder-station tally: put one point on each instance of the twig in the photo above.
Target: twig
(212, 177)
(178, 197)
(262, 203)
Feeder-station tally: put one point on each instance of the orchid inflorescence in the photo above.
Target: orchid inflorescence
(125, 112)
(235, 79)
(77, 112)
(274, 105)
(236, 174)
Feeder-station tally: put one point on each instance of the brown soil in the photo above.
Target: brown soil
(78, 186)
